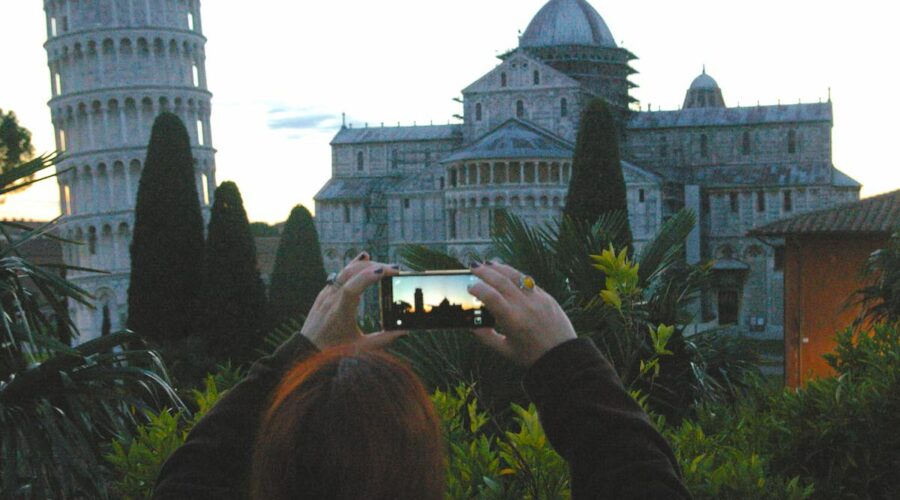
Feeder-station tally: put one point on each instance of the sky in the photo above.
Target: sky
(282, 73)
(435, 289)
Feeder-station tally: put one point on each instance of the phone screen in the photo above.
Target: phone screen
(431, 301)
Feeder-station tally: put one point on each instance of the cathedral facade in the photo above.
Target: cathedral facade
(445, 186)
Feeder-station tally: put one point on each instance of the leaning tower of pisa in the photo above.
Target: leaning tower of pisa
(114, 66)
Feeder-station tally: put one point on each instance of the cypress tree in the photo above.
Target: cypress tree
(299, 272)
(233, 297)
(167, 244)
(597, 184)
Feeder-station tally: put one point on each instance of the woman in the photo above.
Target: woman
(335, 419)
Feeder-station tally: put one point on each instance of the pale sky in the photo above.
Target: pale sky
(283, 72)
(435, 290)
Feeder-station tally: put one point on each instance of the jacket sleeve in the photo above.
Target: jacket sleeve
(214, 461)
(611, 446)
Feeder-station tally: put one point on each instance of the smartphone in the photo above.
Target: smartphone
(434, 300)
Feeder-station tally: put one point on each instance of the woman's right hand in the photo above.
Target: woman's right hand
(530, 322)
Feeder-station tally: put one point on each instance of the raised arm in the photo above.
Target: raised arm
(214, 461)
(612, 448)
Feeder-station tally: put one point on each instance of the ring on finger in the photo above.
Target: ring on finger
(526, 282)
(333, 280)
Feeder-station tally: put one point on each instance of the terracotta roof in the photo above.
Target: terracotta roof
(875, 215)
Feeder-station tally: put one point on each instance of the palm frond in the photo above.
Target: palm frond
(423, 258)
(14, 178)
(667, 245)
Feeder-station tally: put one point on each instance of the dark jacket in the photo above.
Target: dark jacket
(611, 446)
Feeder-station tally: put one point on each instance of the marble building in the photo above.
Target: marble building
(444, 186)
(114, 66)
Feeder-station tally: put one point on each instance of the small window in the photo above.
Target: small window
(65, 24)
(360, 161)
(442, 183)
(641, 196)
(92, 241)
(67, 200)
(57, 83)
(190, 20)
(204, 188)
(537, 77)
(478, 112)
(200, 135)
(563, 107)
(346, 213)
(792, 142)
(406, 203)
(733, 202)
(503, 79)
(520, 109)
(779, 259)
(395, 159)
(788, 201)
(452, 177)
(704, 146)
(745, 144)
(52, 26)
(498, 221)
(196, 74)
(760, 201)
(451, 219)
(62, 140)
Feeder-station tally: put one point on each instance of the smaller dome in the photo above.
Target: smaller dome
(704, 81)
(704, 93)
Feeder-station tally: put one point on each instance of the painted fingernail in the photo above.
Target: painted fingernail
(395, 267)
(363, 256)
(380, 270)
(474, 265)
(489, 262)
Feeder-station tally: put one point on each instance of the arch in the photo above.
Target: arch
(360, 161)
(92, 48)
(92, 240)
(520, 109)
(123, 241)
(555, 176)
(485, 201)
(143, 47)
(163, 104)
(563, 107)
(173, 48)
(529, 202)
(500, 173)
(159, 47)
(134, 176)
(125, 46)
(545, 202)
(515, 201)
(108, 46)
(536, 78)
(478, 111)
(503, 79)
(556, 201)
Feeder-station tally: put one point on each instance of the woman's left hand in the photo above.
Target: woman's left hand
(332, 320)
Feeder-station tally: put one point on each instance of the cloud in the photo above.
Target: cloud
(301, 119)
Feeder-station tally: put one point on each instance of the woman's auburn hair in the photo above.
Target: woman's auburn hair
(349, 425)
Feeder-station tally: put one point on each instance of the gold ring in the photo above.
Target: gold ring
(526, 282)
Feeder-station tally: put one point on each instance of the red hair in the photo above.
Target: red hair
(348, 425)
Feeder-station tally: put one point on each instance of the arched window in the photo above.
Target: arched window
(537, 77)
(520, 109)
(346, 213)
(92, 240)
(792, 141)
(733, 202)
(704, 146)
(478, 112)
(760, 201)
(503, 79)
(360, 161)
(745, 144)
(563, 107)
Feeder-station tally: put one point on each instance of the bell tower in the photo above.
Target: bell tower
(114, 66)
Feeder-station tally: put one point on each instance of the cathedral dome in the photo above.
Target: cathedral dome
(567, 22)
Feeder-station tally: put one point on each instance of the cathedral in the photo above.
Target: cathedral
(446, 186)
